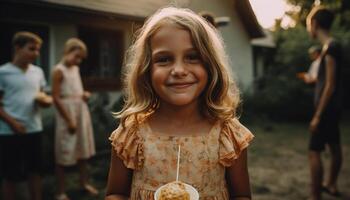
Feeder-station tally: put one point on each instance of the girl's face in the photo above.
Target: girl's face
(74, 57)
(177, 72)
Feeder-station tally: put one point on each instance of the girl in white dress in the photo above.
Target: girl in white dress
(74, 142)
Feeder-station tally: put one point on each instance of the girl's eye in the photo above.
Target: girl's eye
(193, 58)
(163, 60)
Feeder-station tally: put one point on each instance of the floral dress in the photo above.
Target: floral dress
(153, 157)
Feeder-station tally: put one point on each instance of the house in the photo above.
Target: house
(263, 52)
(108, 26)
(237, 35)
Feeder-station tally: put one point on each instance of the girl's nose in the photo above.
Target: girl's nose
(179, 69)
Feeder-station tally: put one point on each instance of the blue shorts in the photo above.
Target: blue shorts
(20, 156)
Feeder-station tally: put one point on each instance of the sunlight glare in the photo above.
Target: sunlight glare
(267, 11)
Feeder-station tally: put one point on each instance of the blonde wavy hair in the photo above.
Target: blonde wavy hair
(220, 98)
(73, 44)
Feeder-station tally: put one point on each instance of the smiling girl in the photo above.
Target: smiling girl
(179, 91)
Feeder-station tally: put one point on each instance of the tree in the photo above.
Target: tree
(304, 7)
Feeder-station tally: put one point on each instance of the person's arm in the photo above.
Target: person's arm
(86, 96)
(237, 178)
(16, 126)
(326, 93)
(43, 100)
(309, 79)
(311, 75)
(305, 77)
(119, 179)
(57, 79)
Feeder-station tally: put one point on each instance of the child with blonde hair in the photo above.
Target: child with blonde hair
(179, 92)
(74, 142)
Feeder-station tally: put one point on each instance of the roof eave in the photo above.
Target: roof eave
(44, 4)
(248, 18)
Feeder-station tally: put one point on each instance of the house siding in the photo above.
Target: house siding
(236, 39)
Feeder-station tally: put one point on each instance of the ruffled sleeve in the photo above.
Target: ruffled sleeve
(128, 145)
(234, 138)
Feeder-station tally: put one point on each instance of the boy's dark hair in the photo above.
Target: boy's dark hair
(21, 38)
(323, 17)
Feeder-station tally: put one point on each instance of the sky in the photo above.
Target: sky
(267, 11)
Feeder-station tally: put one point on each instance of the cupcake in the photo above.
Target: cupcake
(174, 191)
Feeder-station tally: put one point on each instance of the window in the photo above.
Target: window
(102, 68)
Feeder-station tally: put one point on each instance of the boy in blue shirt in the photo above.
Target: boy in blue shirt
(21, 85)
(324, 126)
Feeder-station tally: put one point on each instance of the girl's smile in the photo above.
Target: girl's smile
(180, 85)
(177, 71)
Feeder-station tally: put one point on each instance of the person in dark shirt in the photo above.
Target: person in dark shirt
(324, 126)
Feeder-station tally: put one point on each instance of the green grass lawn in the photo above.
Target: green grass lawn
(278, 161)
